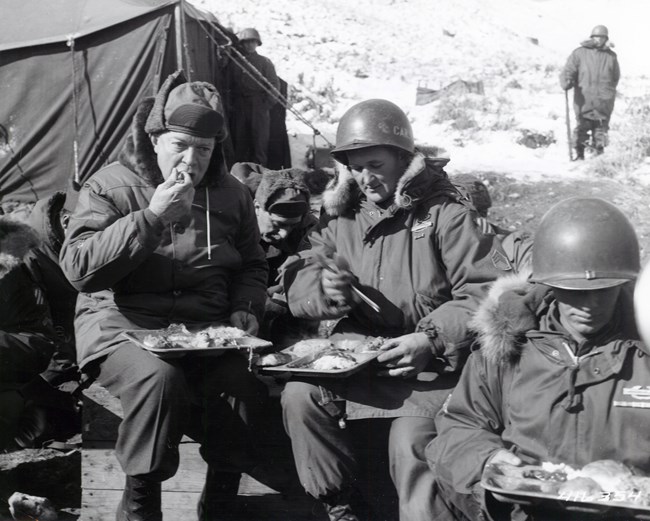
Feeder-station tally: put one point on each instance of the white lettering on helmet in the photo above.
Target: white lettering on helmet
(401, 131)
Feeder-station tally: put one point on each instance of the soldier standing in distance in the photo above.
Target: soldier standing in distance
(592, 71)
(252, 101)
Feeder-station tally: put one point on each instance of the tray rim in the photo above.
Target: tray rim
(334, 373)
(635, 510)
(131, 334)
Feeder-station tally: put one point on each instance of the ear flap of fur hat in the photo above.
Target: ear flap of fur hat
(137, 152)
(156, 120)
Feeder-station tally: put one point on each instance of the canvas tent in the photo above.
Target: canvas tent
(72, 73)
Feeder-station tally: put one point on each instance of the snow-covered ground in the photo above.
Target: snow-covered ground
(334, 53)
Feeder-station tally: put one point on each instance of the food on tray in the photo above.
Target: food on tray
(177, 336)
(310, 347)
(599, 481)
(273, 359)
(583, 488)
(334, 360)
(349, 344)
(373, 345)
(360, 345)
(609, 474)
(525, 478)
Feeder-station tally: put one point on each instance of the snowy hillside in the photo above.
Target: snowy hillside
(334, 53)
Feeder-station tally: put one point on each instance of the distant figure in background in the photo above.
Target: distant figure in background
(282, 206)
(592, 71)
(252, 101)
(517, 245)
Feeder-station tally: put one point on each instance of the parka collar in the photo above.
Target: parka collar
(515, 309)
(423, 178)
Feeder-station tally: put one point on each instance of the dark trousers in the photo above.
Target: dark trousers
(164, 399)
(590, 132)
(251, 128)
(326, 460)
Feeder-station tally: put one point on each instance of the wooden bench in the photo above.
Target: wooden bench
(102, 479)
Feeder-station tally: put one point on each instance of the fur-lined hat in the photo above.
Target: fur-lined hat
(284, 192)
(193, 108)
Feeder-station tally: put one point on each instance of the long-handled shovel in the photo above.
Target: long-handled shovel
(568, 123)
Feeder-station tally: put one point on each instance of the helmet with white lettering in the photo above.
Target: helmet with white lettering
(585, 243)
(374, 122)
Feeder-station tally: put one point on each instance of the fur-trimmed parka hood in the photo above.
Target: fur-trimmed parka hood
(514, 307)
(46, 220)
(17, 239)
(590, 44)
(422, 178)
(138, 154)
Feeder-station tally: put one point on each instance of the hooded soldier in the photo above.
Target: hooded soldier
(592, 71)
(560, 376)
(165, 236)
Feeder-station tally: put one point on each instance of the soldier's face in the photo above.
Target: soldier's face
(585, 313)
(249, 45)
(179, 152)
(599, 40)
(377, 171)
(275, 228)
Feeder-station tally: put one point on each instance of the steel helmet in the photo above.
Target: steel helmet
(249, 34)
(585, 243)
(600, 30)
(373, 122)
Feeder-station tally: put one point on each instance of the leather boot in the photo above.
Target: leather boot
(580, 153)
(140, 501)
(219, 496)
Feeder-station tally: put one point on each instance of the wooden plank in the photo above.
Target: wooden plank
(100, 505)
(102, 471)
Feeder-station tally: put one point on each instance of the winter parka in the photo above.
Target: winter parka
(423, 260)
(593, 73)
(526, 391)
(246, 86)
(134, 272)
(26, 328)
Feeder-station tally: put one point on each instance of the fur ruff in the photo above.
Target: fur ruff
(499, 340)
(420, 179)
(17, 239)
(45, 219)
(137, 154)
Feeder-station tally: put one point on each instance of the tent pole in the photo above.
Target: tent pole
(178, 21)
